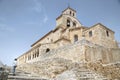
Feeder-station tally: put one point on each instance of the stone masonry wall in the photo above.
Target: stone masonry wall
(106, 55)
(99, 36)
(74, 52)
(85, 51)
(79, 52)
(57, 61)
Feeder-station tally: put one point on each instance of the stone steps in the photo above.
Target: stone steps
(80, 71)
(86, 74)
(24, 78)
(20, 75)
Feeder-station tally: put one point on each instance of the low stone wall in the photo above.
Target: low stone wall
(105, 55)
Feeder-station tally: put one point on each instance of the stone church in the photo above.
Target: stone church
(71, 45)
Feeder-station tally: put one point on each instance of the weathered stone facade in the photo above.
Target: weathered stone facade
(71, 43)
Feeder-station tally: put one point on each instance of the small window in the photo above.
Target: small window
(73, 14)
(37, 54)
(90, 34)
(70, 12)
(107, 33)
(15, 59)
(47, 50)
(68, 23)
(75, 38)
(74, 24)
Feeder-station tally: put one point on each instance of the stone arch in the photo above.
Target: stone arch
(37, 52)
(74, 23)
(70, 12)
(33, 56)
(68, 23)
(75, 38)
(107, 33)
(73, 14)
(90, 33)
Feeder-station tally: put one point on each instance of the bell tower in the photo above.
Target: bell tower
(68, 19)
(69, 11)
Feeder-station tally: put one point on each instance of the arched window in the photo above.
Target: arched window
(74, 24)
(33, 55)
(68, 23)
(75, 38)
(90, 33)
(73, 14)
(70, 12)
(47, 50)
(37, 52)
(107, 33)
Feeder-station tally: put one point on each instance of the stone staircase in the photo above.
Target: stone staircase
(80, 72)
(62, 69)
(20, 75)
(87, 74)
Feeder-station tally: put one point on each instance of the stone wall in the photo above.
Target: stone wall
(42, 50)
(80, 51)
(50, 37)
(75, 31)
(106, 55)
(85, 51)
(74, 52)
(57, 61)
(99, 36)
(116, 54)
